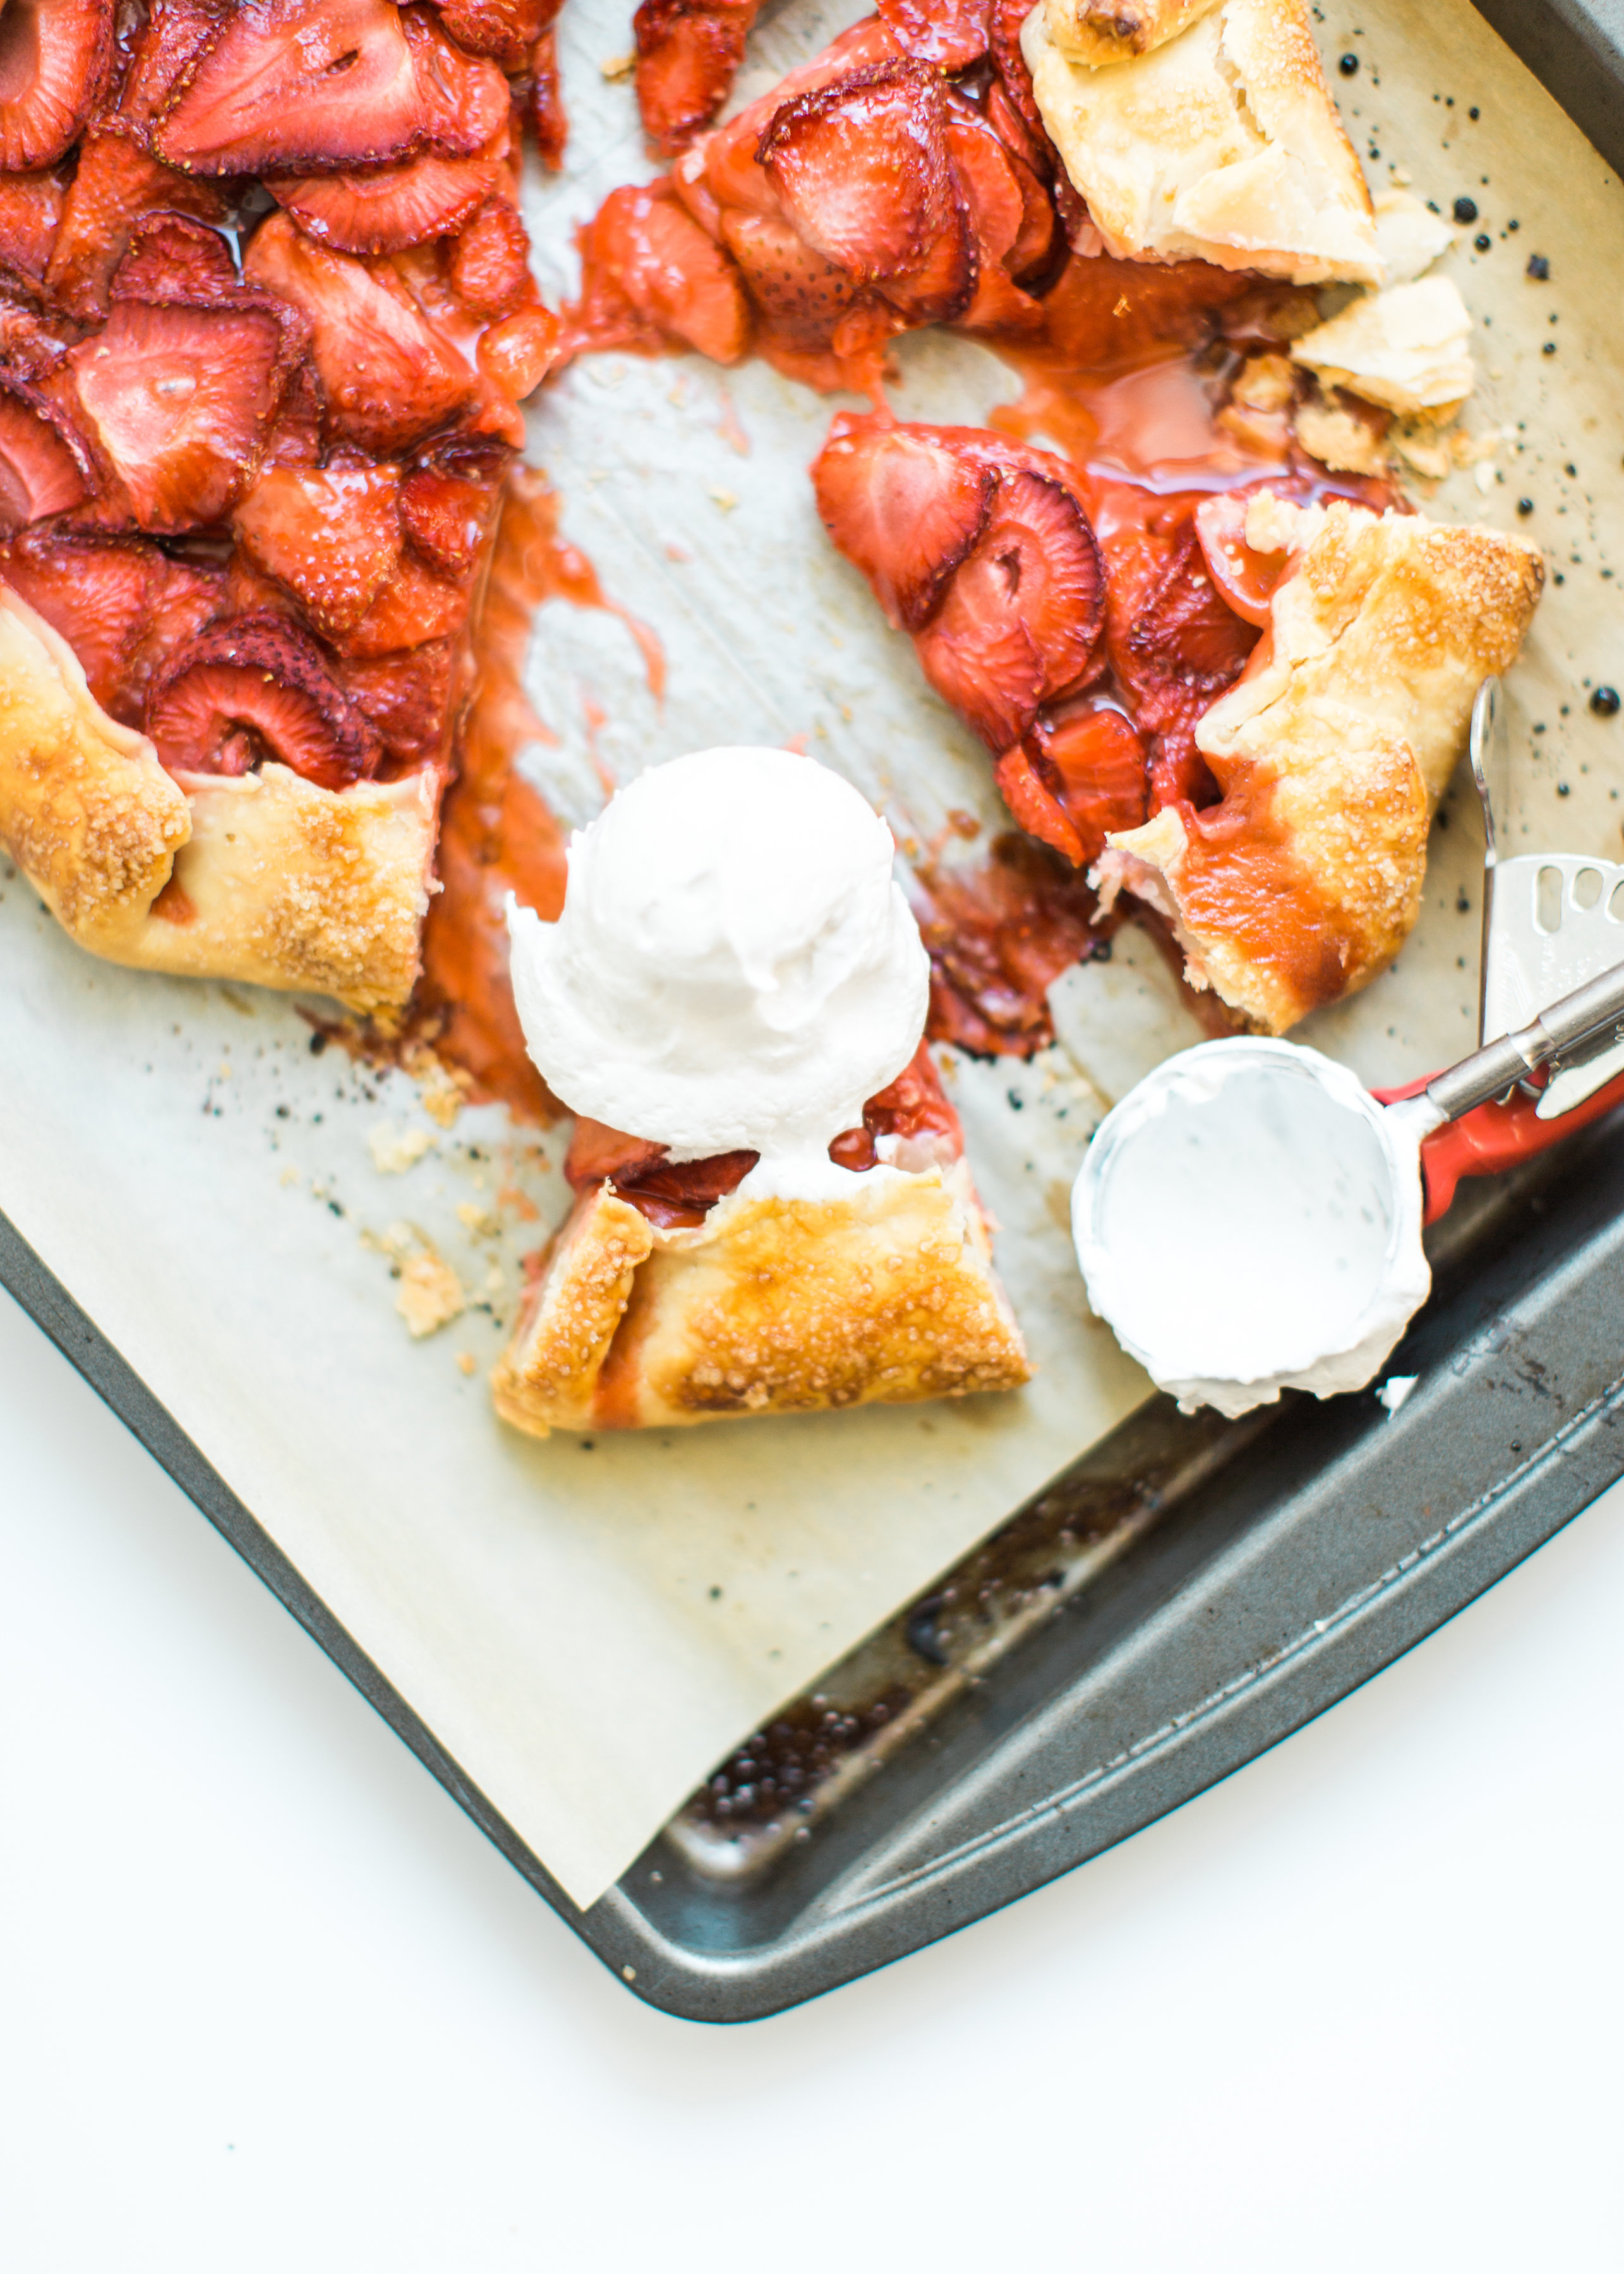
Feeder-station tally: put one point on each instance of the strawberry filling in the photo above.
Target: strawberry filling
(998, 935)
(332, 535)
(44, 469)
(951, 37)
(55, 57)
(121, 604)
(505, 30)
(687, 51)
(322, 86)
(387, 207)
(116, 182)
(30, 216)
(653, 278)
(254, 688)
(909, 1123)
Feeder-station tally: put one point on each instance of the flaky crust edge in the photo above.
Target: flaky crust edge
(262, 877)
(771, 1306)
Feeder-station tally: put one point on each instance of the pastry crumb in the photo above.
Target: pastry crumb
(615, 68)
(430, 1295)
(475, 1219)
(395, 1150)
(442, 1090)
(1339, 439)
(467, 1363)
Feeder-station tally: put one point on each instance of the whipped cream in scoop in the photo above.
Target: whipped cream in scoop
(735, 966)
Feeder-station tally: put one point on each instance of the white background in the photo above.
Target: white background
(270, 2002)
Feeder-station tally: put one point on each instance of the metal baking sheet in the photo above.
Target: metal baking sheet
(1091, 1686)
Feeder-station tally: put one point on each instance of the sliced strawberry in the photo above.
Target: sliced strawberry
(408, 697)
(1245, 579)
(30, 214)
(942, 289)
(388, 377)
(489, 265)
(687, 52)
(43, 467)
(987, 177)
(1100, 772)
(1005, 20)
(180, 399)
(543, 110)
(644, 260)
(903, 506)
(116, 182)
(951, 36)
(861, 167)
(388, 208)
(1024, 786)
(414, 607)
(515, 356)
(730, 157)
(56, 57)
(163, 52)
(122, 605)
(505, 30)
(447, 516)
(802, 296)
(257, 688)
(295, 439)
(598, 1152)
(324, 85)
(332, 536)
(1185, 644)
(915, 1108)
(1035, 563)
(991, 673)
(172, 257)
(997, 936)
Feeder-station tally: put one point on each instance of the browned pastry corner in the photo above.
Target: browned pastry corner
(1111, 31)
(260, 876)
(1331, 751)
(769, 1306)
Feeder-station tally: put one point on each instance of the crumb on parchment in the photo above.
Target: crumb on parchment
(395, 1150)
(430, 1294)
(467, 1363)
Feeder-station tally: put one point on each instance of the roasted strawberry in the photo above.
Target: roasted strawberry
(1035, 560)
(388, 208)
(802, 296)
(30, 214)
(991, 673)
(116, 182)
(951, 36)
(515, 356)
(409, 698)
(295, 439)
(164, 51)
(652, 277)
(1245, 579)
(331, 535)
(43, 466)
(1025, 785)
(388, 377)
(1176, 646)
(180, 399)
(171, 258)
(414, 608)
(55, 57)
(542, 104)
(256, 687)
(447, 515)
(687, 52)
(302, 86)
(997, 935)
(909, 1124)
(861, 167)
(505, 30)
(1097, 768)
(121, 604)
(488, 263)
(904, 506)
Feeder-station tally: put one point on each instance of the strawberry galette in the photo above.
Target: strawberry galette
(266, 314)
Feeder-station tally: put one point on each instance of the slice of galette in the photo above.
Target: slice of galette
(796, 1227)
(265, 317)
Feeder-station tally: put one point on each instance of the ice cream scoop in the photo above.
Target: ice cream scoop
(1248, 1218)
(734, 968)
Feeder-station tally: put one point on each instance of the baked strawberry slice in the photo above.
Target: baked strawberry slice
(30, 216)
(1026, 786)
(173, 258)
(649, 274)
(488, 266)
(180, 398)
(862, 169)
(164, 51)
(332, 535)
(1099, 769)
(43, 466)
(1184, 644)
(56, 58)
(388, 377)
(949, 33)
(505, 30)
(802, 296)
(387, 207)
(253, 689)
(117, 181)
(1034, 565)
(414, 607)
(903, 506)
(449, 515)
(687, 53)
(408, 697)
(542, 104)
(121, 604)
(324, 85)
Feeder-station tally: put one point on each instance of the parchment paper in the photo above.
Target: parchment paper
(589, 1627)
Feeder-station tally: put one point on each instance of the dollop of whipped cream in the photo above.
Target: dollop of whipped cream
(735, 966)
(1248, 1220)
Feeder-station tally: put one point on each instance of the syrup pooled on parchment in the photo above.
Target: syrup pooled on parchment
(498, 834)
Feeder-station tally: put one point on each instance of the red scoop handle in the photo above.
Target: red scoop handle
(1493, 1136)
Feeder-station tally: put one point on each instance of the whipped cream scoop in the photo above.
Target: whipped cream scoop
(1248, 1218)
(735, 966)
